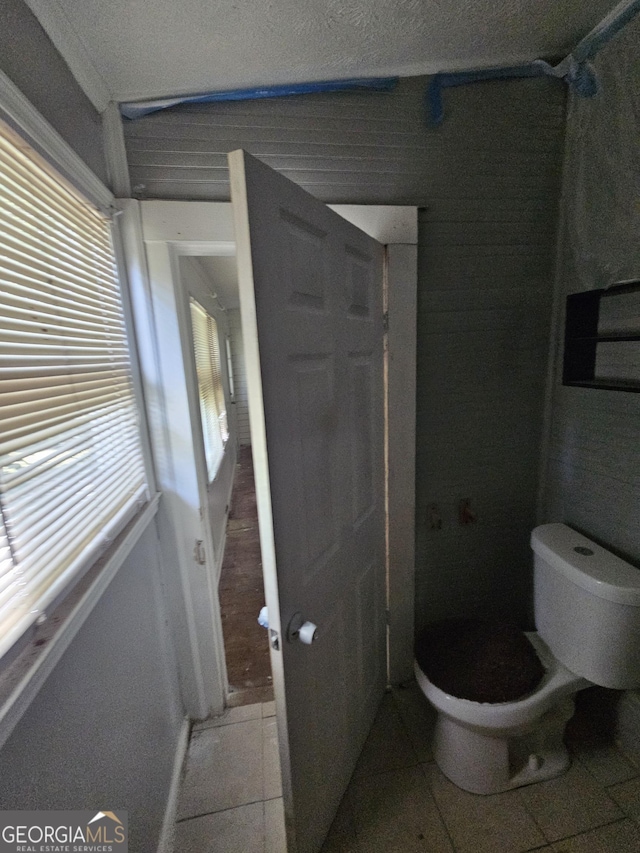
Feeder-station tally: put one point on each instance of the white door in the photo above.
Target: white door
(311, 304)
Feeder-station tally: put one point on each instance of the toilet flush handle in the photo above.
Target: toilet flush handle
(299, 629)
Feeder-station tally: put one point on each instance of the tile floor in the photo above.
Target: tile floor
(231, 795)
(398, 801)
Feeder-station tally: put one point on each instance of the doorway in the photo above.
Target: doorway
(155, 235)
(231, 508)
(169, 232)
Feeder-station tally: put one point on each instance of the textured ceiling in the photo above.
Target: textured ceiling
(152, 48)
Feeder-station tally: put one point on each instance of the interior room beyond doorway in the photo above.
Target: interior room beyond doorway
(241, 584)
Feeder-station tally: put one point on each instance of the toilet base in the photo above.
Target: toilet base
(488, 763)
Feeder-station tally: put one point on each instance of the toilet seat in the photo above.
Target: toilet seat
(557, 682)
(486, 748)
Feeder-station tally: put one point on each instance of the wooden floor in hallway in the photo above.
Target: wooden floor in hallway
(241, 593)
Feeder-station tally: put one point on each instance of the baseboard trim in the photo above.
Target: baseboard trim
(167, 833)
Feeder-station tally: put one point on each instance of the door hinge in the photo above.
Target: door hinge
(385, 322)
(199, 554)
(387, 616)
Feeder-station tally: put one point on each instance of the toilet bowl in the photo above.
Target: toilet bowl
(487, 748)
(587, 610)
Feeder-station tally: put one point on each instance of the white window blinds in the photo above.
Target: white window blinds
(71, 464)
(213, 410)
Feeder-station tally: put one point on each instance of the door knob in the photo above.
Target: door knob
(299, 629)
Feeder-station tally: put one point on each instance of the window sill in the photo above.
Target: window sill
(24, 675)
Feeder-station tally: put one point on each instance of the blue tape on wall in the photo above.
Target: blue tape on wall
(575, 70)
(435, 107)
(137, 109)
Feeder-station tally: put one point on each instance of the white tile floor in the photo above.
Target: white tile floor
(231, 795)
(398, 801)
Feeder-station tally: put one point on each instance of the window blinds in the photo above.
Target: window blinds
(71, 464)
(213, 410)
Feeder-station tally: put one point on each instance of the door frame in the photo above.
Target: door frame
(155, 234)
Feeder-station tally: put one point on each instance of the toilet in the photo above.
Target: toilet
(587, 615)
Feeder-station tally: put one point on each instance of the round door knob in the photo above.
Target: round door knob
(299, 629)
(308, 633)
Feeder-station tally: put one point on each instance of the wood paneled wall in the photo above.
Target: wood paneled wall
(488, 180)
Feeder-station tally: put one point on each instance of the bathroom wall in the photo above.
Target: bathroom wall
(104, 728)
(592, 476)
(32, 63)
(488, 180)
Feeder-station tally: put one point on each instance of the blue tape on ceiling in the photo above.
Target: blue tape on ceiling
(137, 109)
(575, 70)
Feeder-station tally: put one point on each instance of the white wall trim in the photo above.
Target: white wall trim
(115, 151)
(60, 30)
(15, 698)
(198, 248)
(136, 371)
(188, 222)
(385, 223)
(166, 842)
(206, 227)
(402, 293)
(37, 130)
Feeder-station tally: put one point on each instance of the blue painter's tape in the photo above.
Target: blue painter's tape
(603, 32)
(435, 107)
(575, 70)
(137, 109)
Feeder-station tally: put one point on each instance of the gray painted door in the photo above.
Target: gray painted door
(311, 303)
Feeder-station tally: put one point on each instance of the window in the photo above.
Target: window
(71, 465)
(213, 409)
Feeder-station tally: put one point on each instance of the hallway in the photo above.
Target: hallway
(241, 593)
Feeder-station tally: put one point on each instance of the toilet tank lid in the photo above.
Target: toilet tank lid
(599, 572)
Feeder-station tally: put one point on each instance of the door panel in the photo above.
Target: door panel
(311, 302)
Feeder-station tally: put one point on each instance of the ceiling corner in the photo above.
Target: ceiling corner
(57, 26)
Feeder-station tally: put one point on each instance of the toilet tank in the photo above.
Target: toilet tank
(587, 606)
